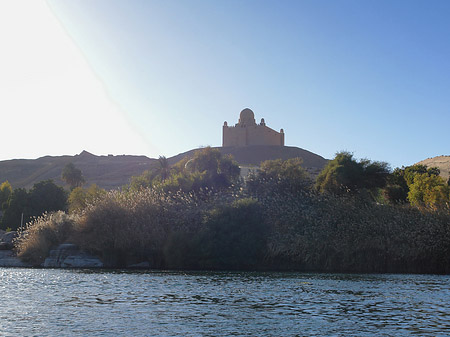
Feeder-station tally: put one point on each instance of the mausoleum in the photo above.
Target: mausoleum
(247, 132)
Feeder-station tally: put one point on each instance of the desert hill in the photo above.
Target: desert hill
(106, 171)
(441, 162)
(255, 154)
(111, 172)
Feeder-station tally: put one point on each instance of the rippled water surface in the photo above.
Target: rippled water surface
(47, 302)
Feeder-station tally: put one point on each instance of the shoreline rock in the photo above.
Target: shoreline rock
(9, 259)
(68, 255)
(6, 240)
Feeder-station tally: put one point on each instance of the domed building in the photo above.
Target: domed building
(247, 132)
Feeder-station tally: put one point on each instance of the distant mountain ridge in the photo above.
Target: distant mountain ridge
(106, 171)
(111, 172)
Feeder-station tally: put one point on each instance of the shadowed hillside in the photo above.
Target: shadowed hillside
(106, 171)
(254, 155)
(111, 172)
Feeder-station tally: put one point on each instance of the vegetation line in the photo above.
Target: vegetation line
(357, 216)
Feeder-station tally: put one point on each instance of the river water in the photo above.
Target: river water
(55, 302)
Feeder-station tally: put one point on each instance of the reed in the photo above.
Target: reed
(305, 231)
(43, 233)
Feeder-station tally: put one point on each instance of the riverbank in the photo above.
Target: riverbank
(305, 232)
(65, 255)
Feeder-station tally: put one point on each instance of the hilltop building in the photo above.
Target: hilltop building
(247, 132)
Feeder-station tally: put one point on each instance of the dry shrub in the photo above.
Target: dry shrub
(305, 231)
(132, 226)
(351, 234)
(43, 233)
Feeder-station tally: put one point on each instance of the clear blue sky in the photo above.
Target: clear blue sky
(370, 77)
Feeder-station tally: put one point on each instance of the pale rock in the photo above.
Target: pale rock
(67, 255)
(141, 265)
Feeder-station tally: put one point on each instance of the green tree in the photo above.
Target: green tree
(144, 180)
(5, 193)
(397, 189)
(206, 160)
(186, 182)
(219, 171)
(401, 180)
(428, 191)
(412, 171)
(229, 169)
(344, 175)
(279, 176)
(79, 198)
(434, 171)
(18, 204)
(46, 196)
(72, 176)
(208, 168)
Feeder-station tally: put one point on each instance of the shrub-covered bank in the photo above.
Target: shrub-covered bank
(357, 216)
(348, 234)
(234, 230)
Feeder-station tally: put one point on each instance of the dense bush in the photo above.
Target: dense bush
(5, 193)
(126, 227)
(235, 236)
(80, 197)
(278, 223)
(207, 168)
(43, 233)
(348, 234)
(279, 176)
(44, 196)
(344, 175)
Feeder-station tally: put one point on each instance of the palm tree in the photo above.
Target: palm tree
(164, 168)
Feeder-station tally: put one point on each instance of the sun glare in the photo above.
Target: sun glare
(51, 101)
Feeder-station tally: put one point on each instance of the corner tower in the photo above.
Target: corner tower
(248, 132)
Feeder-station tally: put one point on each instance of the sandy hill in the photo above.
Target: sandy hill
(110, 172)
(442, 162)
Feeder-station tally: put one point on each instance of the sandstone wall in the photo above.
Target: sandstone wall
(251, 135)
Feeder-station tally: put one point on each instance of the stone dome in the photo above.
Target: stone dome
(247, 117)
